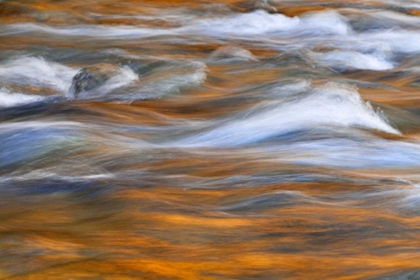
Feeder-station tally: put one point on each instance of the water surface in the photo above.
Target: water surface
(229, 140)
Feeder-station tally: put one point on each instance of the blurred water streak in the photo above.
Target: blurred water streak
(209, 139)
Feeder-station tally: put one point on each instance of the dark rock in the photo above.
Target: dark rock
(92, 77)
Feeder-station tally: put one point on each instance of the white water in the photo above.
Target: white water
(330, 106)
(343, 60)
(9, 99)
(36, 71)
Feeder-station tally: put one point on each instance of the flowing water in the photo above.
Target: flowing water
(225, 140)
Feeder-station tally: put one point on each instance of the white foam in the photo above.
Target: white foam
(325, 23)
(194, 75)
(257, 23)
(370, 50)
(399, 41)
(382, 44)
(176, 82)
(333, 105)
(254, 23)
(124, 77)
(343, 60)
(262, 23)
(125, 85)
(171, 80)
(36, 71)
(8, 99)
(288, 89)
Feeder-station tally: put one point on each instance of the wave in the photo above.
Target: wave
(231, 53)
(378, 19)
(166, 80)
(288, 88)
(51, 185)
(331, 106)
(84, 30)
(348, 153)
(125, 84)
(400, 41)
(262, 23)
(38, 72)
(25, 141)
(254, 23)
(366, 49)
(348, 60)
(122, 77)
(9, 99)
(131, 83)
(278, 199)
(399, 198)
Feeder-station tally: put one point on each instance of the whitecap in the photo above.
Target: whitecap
(124, 77)
(344, 60)
(383, 43)
(259, 23)
(36, 71)
(289, 88)
(401, 41)
(325, 23)
(256, 23)
(329, 106)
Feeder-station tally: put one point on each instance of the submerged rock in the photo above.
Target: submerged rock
(232, 53)
(264, 5)
(92, 77)
(142, 68)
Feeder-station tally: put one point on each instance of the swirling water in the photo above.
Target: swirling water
(228, 139)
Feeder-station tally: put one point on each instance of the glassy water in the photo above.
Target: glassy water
(209, 139)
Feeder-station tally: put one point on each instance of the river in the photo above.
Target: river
(219, 139)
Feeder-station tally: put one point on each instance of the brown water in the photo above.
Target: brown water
(231, 140)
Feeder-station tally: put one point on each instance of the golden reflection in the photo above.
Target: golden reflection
(200, 214)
